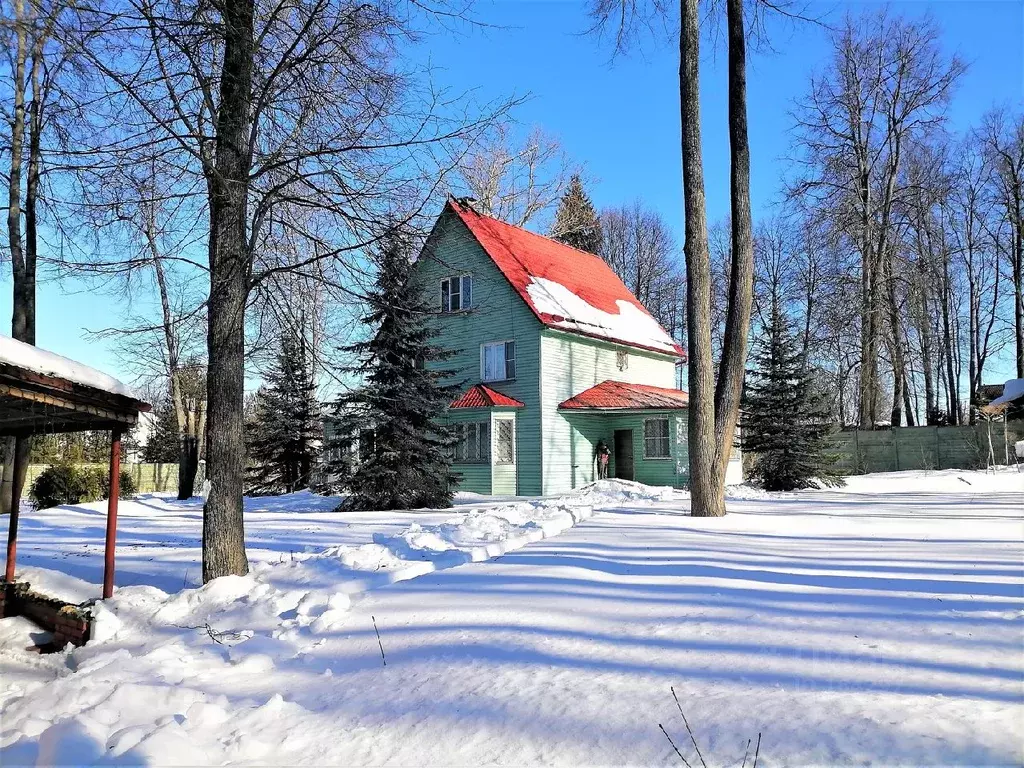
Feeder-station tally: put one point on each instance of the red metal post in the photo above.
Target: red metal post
(12, 524)
(115, 491)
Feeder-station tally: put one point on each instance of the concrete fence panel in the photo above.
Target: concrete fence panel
(922, 448)
(149, 478)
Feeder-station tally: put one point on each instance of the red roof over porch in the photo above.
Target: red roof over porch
(618, 395)
(481, 396)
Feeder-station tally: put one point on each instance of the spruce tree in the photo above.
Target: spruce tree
(576, 222)
(163, 443)
(786, 420)
(405, 462)
(285, 429)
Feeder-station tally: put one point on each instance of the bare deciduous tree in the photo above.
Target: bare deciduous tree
(292, 117)
(887, 87)
(516, 182)
(1003, 139)
(714, 406)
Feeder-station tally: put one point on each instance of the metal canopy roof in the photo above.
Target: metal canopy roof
(32, 403)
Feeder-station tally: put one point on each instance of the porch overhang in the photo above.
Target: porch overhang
(482, 396)
(618, 396)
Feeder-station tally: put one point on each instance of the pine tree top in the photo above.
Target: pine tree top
(576, 220)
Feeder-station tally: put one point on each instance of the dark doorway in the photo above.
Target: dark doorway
(624, 454)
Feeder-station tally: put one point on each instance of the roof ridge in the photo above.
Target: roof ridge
(455, 201)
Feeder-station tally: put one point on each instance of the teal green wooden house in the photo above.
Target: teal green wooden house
(557, 356)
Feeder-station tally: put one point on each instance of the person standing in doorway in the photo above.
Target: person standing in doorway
(603, 455)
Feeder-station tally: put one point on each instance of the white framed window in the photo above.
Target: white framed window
(456, 293)
(622, 359)
(656, 438)
(504, 441)
(472, 443)
(498, 361)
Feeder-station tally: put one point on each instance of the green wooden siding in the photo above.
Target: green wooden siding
(589, 428)
(670, 471)
(571, 364)
(498, 313)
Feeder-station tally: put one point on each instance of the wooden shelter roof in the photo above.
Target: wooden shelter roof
(42, 393)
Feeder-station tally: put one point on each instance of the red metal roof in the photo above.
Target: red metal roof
(614, 395)
(522, 256)
(480, 396)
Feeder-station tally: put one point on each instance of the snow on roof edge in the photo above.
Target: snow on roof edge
(1012, 389)
(41, 361)
(633, 325)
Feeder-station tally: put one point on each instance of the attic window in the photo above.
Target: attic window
(622, 359)
(456, 293)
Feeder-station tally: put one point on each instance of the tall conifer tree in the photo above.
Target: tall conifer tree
(576, 222)
(403, 453)
(285, 431)
(163, 445)
(786, 421)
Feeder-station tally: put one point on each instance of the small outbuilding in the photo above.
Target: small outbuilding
(1002, 407)
(42, 393)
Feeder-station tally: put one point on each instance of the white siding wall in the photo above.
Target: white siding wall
(569, 365)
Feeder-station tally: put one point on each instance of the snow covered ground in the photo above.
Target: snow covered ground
(882, 622)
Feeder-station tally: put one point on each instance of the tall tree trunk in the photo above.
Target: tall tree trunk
(19, 318)
(1017, 268)
(223, 526)
(22, 263)
(707, 497)
(868, 375)
(741, 284)
(187, 444)
(924, 332)
(950, 348)
(899, 362)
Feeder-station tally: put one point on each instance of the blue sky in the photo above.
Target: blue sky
(620, 117)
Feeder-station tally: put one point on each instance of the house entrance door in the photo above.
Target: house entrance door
(624, 454)
(503, 455)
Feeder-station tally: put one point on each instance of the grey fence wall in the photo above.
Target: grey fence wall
(149, 478)
(892, 450)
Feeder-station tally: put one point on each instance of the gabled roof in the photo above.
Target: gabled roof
(481, 396)
(566, 288)
(618, 395)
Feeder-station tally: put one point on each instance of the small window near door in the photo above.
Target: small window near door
(472, 443)
(656, 442)
(456, 293)
(498, 361)
(505, 441)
